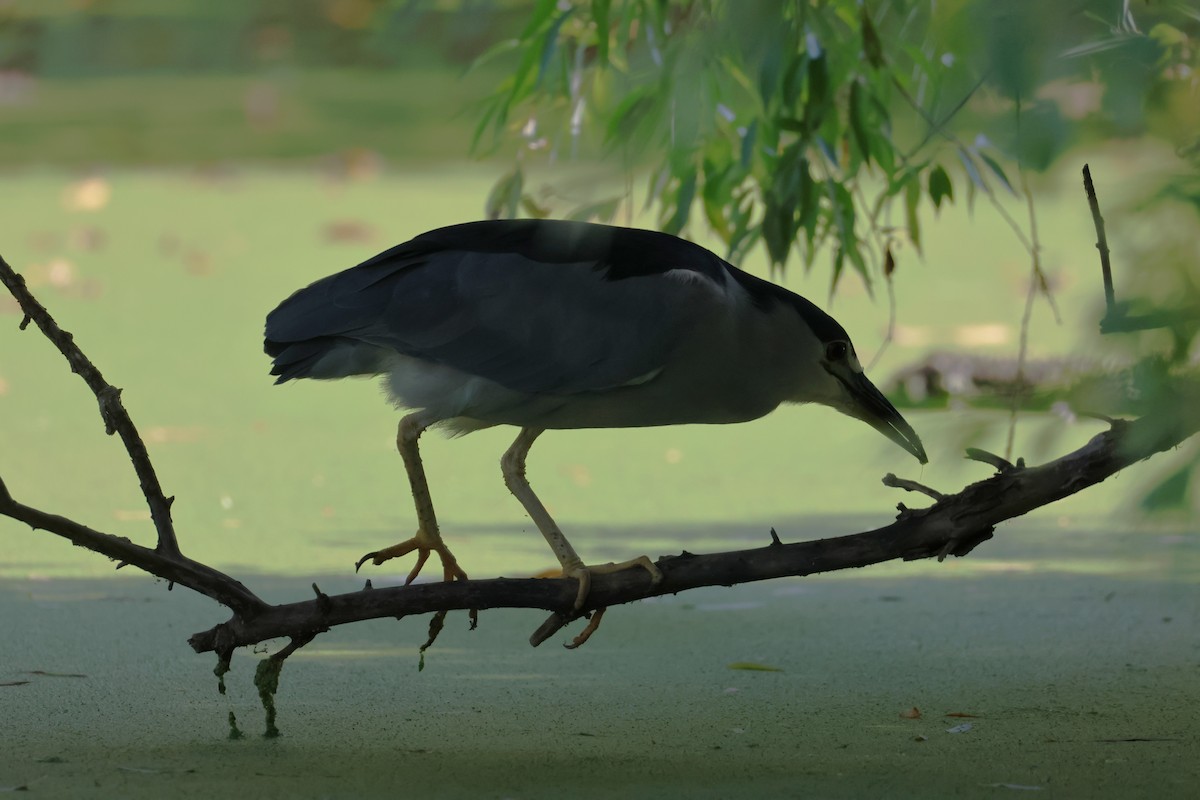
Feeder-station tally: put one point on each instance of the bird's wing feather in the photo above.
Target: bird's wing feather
(555, 316)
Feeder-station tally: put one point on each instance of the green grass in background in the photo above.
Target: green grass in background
(413, 116)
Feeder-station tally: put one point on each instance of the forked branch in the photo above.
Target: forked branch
(165, 560)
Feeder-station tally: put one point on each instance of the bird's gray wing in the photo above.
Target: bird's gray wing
(531, 326)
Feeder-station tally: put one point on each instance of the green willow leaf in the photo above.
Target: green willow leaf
(848, 243)
(682, 203)
(859, 122)
(940, 187)
(972, 171)
(817, 103)
(912, 197)
(872, 45)
(768, 74)
(998, 171)
(776, 232)
(809, 204)
(540, 16)
(533, 208)
(630, 114)
(748, 141)
(505, 197)
(736, 106)
(550, 44)
(600, 9)
(601, 210)
(794, 79)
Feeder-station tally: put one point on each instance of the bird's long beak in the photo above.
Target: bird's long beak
(869, 405)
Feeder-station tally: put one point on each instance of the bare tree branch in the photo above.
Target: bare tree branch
(954, 525)
(176, 569)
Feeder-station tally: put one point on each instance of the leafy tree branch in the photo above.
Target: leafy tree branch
(807, 127)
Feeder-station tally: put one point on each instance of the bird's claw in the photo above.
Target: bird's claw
(423, 546)
(586, 633)
(583, 574)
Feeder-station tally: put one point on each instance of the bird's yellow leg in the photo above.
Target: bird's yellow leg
(428, 539)
(512, 464)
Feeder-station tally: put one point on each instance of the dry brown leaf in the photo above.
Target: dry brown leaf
(89, 194)
(197, 262)
(348, 231)
(172, 434)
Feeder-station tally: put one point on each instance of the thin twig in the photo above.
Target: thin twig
(1110, 296)
(112, 411)
(936, 127)
(176, 569)
(983, 456)
(1037, 279)
(911, 486)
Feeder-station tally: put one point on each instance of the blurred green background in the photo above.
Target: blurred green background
(172, 169)
(193, 83)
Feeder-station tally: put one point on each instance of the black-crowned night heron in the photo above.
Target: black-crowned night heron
(550, 324)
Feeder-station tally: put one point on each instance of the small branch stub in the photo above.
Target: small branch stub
(911, 486)
(1001, 464)
(1110, 299)
(1116, 319)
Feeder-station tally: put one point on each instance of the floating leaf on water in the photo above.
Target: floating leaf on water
(752, 666)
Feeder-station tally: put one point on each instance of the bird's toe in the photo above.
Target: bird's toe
(422, 544)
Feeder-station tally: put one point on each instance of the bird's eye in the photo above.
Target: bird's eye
(836, 351)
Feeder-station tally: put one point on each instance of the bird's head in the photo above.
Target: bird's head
(839, 382)
(825, 369)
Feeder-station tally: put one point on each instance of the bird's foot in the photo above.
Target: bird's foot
(424, 544)
(586, 633)
(584, 574)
